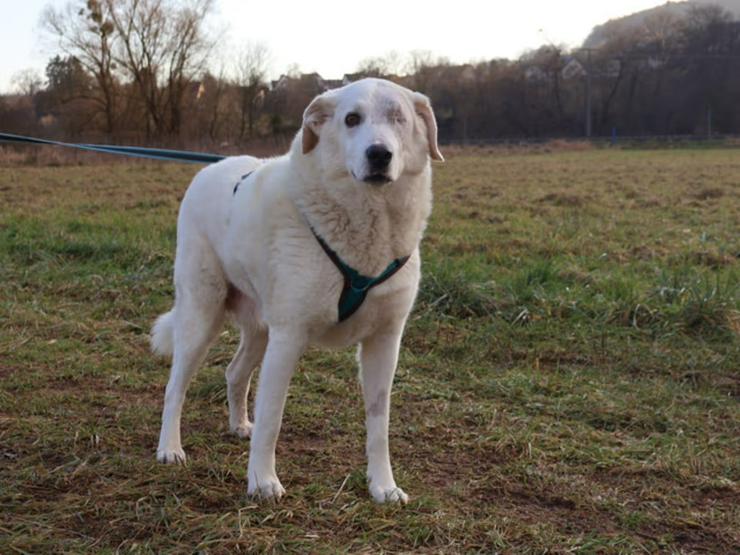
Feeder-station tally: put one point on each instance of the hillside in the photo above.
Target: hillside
(669, 10)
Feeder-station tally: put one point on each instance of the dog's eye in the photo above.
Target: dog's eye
(352, 119)
(395, 115)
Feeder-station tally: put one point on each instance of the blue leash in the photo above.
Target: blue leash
(165, 155)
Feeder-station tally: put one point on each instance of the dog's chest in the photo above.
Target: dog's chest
(384, 308)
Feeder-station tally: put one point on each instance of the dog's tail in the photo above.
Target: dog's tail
(162, 336)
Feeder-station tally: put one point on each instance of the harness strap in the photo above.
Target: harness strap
(242, 178)
(356, 286)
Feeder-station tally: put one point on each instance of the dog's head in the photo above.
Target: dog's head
(372, 130)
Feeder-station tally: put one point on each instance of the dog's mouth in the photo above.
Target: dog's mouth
(377, 179)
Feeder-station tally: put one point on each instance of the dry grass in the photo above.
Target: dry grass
(568, 383)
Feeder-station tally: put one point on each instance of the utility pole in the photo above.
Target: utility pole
(589, 74)
(587, 66)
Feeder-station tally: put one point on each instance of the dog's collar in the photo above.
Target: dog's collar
(356, 286)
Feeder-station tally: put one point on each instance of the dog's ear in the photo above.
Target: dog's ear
(423, 108)
(318, 112)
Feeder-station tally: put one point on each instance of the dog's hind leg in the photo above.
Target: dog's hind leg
(248, 356)
(198, 316)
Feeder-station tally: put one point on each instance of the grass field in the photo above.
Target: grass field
(569, 379)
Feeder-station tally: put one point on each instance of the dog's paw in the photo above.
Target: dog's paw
(171, 456)
(265, 488)
(391, 494)
(243, 430)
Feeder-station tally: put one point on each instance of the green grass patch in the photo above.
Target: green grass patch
(568, 381)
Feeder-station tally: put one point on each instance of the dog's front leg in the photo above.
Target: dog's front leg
(284, 348)
(378, 359)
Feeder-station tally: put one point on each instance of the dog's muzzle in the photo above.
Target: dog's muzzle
(378, 160)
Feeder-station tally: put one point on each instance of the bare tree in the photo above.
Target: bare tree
(391, 63)
(251, 71)
(27, 82)
(394, 62)
(84, 30)
(162, 46)
(421, 66)
(418, 60)
(212, 111)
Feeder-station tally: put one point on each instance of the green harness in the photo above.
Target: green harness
(356, 286)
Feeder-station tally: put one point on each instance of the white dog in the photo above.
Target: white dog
(284, 245)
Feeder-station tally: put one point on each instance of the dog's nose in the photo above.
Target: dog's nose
(378, 156)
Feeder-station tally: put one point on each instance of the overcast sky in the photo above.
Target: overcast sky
(332, 36)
